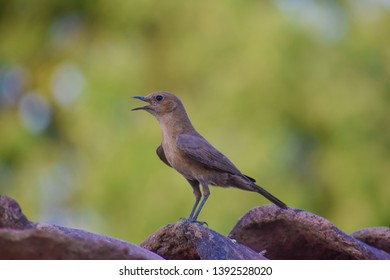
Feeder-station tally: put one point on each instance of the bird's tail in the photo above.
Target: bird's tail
(248, 184)
(268, 196)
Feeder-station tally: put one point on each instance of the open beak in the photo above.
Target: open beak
(143, 98)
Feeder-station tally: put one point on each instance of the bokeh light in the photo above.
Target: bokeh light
(34, 112)
(67, 84)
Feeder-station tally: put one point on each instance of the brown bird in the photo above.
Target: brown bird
(185, 150)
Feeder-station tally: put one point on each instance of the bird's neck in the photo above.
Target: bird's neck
(175, 123)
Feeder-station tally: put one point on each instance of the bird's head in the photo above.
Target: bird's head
(160, 103)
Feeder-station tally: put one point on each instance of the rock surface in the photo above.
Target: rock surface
(193, 241)
(378, 237)
(274, 232)
(297, 234)
(22, 239)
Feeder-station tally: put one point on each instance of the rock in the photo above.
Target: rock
(378, 237)
(11, 215)
(192, 241)
(22, 239)
(275, 232)
(297, 234)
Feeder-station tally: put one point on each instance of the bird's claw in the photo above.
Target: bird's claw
(202, 223)
(191, 220)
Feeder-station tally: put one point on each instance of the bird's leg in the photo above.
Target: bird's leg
(195, 186)
(206, 194)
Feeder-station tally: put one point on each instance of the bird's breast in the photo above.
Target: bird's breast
(180, 161)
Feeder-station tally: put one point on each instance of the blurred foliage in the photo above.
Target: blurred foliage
(295, 93)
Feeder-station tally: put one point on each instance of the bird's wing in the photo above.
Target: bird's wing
(161, 155)
(197, 148)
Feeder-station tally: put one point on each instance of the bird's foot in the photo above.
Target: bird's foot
(202, 223)
(191, 220)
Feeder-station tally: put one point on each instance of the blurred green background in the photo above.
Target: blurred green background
(295, 92)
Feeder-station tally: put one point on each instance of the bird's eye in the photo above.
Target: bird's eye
(159, 98)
